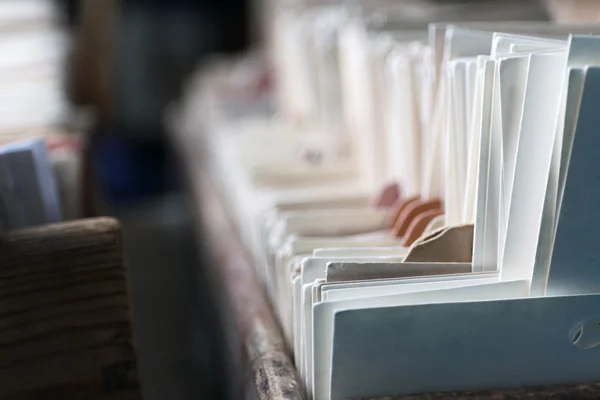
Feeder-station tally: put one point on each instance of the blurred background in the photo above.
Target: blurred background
(103, 81)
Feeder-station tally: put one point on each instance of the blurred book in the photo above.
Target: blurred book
(29, 191)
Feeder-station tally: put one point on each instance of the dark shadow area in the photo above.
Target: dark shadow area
(130, 61)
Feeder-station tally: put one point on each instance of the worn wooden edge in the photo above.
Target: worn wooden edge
(70, 233)
(265, 352)
(266, 362)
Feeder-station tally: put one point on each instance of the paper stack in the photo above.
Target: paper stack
(442, 238)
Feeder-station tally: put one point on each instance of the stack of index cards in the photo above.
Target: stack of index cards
(451, 216)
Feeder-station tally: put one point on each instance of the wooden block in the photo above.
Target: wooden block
(65, 315)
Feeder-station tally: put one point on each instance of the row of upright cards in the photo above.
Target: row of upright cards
(443, 237)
